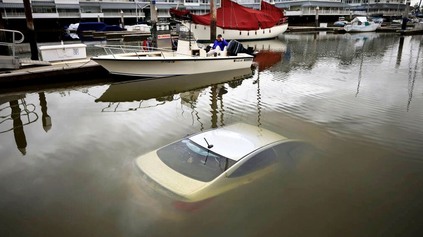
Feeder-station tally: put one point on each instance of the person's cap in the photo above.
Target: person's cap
(219, 36)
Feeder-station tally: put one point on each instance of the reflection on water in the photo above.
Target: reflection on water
(20, 115)
(164, 89)
(356, 97)
(45, 117)
(269, 52)
(139, 92)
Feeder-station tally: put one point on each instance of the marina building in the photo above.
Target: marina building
(51, 15)
(139, 9)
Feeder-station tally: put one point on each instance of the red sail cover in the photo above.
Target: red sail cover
(231, 15)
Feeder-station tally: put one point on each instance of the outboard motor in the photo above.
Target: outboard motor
(234, 47)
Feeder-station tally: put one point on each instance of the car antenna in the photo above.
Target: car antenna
(209, 146)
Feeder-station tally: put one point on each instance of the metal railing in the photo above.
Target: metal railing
(10, 38)
(139, 51)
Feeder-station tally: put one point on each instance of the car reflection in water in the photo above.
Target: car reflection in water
(197, 168)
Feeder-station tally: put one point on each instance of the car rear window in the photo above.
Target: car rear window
(194, 161)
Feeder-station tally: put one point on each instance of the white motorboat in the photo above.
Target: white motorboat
(361, 24)
(237, 22)
(188, 59)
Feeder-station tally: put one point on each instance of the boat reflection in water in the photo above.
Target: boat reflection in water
(267, 45)
(270, 52)
(159, 88)
(360, 39)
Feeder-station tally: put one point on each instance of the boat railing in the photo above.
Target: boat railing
(138, 51)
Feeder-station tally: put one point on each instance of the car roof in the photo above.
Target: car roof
(236, 140)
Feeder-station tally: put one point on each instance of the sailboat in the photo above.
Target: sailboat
(236, 22)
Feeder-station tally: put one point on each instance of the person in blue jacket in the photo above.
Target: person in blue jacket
(220, 42)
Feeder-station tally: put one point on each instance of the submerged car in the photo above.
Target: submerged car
(209, 163)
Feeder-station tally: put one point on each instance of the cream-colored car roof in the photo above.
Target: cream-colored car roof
(237, 140)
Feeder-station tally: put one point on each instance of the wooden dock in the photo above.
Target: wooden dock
(336, 30)
(39, 73)
(410, 32)
(26, 62)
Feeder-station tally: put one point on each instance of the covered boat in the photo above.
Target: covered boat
(361, 24)
(235, 21)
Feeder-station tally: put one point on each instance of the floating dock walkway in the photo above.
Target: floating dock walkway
(36, 72)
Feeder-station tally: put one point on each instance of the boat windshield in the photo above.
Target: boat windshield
(194, 161)
(186, 34)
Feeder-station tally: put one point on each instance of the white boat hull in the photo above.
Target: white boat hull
(202, 32)
(171, 66)
(361, 28)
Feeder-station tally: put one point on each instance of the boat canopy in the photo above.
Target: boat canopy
(232, 15)
(360, 19)
(97, 26)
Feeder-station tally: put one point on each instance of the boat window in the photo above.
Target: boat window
(194, 161)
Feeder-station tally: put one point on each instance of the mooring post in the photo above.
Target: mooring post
(153, 12)
(212, 20)
(31, 30)
(122, 20)
(317, 17)
(405, 16)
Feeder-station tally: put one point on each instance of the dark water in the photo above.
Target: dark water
(66, 154)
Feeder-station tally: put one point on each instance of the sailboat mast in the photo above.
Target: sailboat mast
(212, 20)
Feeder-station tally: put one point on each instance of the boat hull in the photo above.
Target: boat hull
(361, 28)
(202, 32)
(163, 67)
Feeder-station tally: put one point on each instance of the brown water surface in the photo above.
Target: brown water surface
(67, 153)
